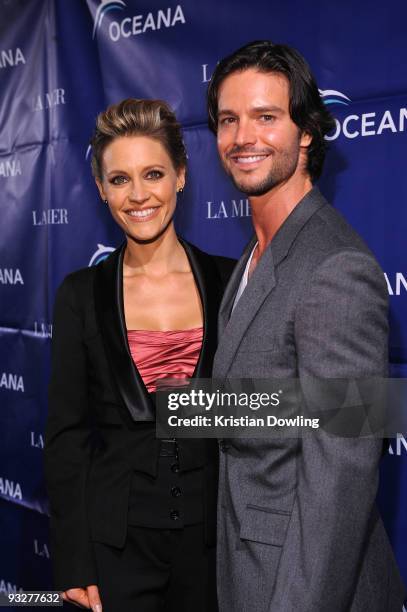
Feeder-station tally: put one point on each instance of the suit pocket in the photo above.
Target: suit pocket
(264, 525)
(258, 344)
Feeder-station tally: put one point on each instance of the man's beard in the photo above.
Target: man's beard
(284, 165)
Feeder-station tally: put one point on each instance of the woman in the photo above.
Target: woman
(133, 517)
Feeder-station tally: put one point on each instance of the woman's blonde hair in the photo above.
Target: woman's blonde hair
(133, 117)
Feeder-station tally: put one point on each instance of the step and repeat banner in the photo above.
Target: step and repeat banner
(63, 61)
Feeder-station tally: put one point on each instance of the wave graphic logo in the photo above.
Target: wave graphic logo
(332, 96)
(104, 7)
(100, 255)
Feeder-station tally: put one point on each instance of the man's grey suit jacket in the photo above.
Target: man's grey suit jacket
(298, 529)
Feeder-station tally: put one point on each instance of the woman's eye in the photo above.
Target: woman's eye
(118, 180)
(154, 175)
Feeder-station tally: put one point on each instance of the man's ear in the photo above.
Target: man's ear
(305, 140)
(100, 189)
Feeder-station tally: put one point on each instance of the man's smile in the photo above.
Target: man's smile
(248, 161)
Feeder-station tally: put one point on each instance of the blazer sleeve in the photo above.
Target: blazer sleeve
(67, 450)
(341, 331)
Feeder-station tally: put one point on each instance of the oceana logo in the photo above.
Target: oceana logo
(104, 7)
(332, 96)
(364, 124)
(101, 254)
(136, 24)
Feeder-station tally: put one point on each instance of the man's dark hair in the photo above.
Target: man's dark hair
(307, 109)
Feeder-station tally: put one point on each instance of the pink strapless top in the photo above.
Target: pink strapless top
(165, 354)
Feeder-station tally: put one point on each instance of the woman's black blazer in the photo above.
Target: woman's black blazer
(99, 427)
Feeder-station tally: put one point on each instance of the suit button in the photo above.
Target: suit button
(175, 468)
(175, 491)
(174, 515)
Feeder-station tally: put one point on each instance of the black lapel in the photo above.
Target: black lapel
(208, 281)
(110, 314)
(193, 453)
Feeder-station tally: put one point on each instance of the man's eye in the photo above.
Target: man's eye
(118, 180)
(227, 120)
(267, 118)
(154, 175)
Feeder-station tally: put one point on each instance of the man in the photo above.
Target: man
(298, 526)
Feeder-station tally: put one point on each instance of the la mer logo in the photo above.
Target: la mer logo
(42, 330)
(36, 440)
(56, 97)
(206, 73)
(225, 209)
(50, 216)
(41, 550)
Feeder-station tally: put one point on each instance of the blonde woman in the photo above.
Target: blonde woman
(133, 517)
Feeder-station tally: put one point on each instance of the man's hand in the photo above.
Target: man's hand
(84, 598)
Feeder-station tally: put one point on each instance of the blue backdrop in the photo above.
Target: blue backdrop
(61, 62)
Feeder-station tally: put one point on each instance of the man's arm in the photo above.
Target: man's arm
(341, 331)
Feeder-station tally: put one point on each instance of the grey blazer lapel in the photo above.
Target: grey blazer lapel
(262, 282)
(226, 304)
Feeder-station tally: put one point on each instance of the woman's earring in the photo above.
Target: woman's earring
(105, 202)
(181, 189)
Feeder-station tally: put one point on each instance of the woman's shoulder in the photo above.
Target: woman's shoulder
(81, 281)
(76, 290)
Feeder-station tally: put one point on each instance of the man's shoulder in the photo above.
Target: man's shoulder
(329, 247)
(329, 232)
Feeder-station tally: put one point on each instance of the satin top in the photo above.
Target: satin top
(165, 354)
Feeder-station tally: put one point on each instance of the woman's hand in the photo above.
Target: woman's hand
(86, 598)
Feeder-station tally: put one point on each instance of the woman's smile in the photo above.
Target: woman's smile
(142, 215)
